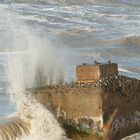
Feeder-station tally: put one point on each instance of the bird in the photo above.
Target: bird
(84, 63)
(96, 62)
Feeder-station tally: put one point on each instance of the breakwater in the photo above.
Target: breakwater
(89, 107)
(105, 109)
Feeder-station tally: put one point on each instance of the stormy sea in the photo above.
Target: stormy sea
(42, 42)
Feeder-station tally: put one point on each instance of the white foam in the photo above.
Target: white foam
(12, 115)
(34, 18)
(33, 62)
(124, 70)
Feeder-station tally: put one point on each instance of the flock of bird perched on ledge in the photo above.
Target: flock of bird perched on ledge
(115, 83)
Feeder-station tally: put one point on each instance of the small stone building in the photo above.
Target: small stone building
(92, 72)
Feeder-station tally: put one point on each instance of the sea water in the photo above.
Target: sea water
(42, 41)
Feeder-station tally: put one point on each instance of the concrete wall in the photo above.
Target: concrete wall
(75, 102)
(76, 107)
(95, 72)
(87, 72)
(108, 69)
(87, 106)
(127, 102)
(127, 119)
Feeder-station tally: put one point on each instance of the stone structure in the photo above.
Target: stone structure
(80, 108)
(90, 72)
(111, 103)
(90, 106)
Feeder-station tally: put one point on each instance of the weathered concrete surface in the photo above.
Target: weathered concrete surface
(95, 72)
(84, 105)
(75, 102)
(75, 107)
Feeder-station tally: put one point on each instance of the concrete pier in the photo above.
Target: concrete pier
(110, 104)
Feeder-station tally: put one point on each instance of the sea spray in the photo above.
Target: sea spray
(32, 62)
(43, 124)
(13, 127)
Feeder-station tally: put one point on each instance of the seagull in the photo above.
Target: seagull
(96, 62)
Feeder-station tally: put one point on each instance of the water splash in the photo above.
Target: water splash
(32, 62)
(13, 128)
(43, 124)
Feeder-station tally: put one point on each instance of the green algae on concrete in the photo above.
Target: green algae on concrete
(77, 133)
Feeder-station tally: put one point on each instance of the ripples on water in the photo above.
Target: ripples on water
(107, 28)
(97, 30)
(94, 29)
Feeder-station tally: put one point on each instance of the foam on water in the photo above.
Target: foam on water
(12, 128)
(124, 70)
(131, 40)
(79, 2)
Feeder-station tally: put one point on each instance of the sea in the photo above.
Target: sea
(42, 42)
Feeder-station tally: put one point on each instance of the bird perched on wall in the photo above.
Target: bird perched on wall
(96, 62)
(84, 63)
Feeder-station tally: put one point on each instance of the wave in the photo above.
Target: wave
(33, 122)
(124, 70)
(24, 69)
(130, 40)
(135, 136)
(13, 128)
(79, 2)
(34, 18)
(129, 72)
